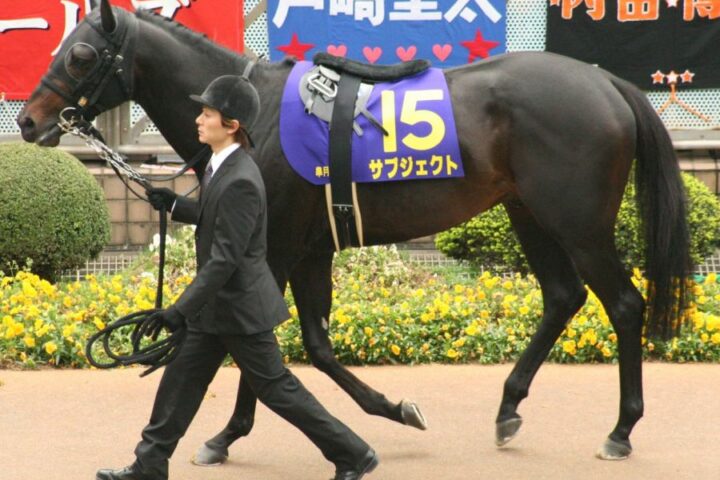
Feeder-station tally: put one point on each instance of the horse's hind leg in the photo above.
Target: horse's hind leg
(215, 450)
(311, 285)
(563, 294)
(600, 266)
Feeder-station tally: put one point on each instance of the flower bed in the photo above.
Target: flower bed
(385, 310)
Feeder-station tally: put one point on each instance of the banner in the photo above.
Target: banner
(31, 32)
(648, 42)
(446, 32)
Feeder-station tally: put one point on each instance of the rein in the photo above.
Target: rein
(158, 353)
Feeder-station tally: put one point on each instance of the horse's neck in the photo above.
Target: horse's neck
(167, 71)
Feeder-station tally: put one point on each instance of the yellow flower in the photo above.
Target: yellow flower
(459, 289)
(459, 342)
(28, 289)
(368, 331)
(606, 352)
(715, 338)
(293, 311)
(571, 332)
(704, 337)
(68, 330)
(507, 285)
(471, 329)
(612, 337)
(569, 347)
(410, 350)
(451, 353)
(50, 347)
(712, 322)
(68, 302)
(395, 349)
(524, 310)
(29, 341)
(710, 279)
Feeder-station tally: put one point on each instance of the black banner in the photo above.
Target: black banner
(648, 42)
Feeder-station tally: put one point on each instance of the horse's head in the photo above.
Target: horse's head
(91, 73)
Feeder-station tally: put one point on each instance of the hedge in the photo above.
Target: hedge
(488, 239)
(52, 211)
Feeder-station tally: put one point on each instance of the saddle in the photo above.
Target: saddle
(337, 90)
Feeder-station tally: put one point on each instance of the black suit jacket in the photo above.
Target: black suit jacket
(234, 291)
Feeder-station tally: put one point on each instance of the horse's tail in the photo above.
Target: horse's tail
(661, 201)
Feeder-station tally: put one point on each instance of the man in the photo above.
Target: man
(233, 303)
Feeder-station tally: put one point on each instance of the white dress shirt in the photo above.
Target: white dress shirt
(217, 160)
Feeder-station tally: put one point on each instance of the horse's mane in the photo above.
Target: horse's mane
(199, 39)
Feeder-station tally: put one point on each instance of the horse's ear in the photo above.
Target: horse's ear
(108, 18)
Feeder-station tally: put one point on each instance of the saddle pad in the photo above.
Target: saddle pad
(416, 112)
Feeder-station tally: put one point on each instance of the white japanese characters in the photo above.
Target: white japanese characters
(402, 10)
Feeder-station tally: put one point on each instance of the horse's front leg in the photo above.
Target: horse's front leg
(311, 285)
(215, 450)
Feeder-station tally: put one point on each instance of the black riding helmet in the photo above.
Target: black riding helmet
(233, 96)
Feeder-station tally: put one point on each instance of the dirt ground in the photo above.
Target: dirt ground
(65, 425)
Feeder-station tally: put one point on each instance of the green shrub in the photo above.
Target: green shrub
(488, 239)
(52, 212)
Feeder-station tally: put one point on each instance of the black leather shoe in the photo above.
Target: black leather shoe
(127, 473)
(366, 465)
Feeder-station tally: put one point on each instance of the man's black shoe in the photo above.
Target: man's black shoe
(366, 465)
(127, 473)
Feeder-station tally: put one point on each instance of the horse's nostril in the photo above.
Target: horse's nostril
(25, 122)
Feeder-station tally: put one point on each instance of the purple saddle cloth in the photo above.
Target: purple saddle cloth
(416, 112)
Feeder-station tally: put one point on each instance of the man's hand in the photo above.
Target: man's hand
(170, 318)
(159, 197)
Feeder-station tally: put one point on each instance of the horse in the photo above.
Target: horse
(551, 139)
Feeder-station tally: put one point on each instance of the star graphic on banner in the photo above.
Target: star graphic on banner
(658, 77)
(672, 77)
(295, 48)
(672, 3)
(687, 76)
(479, 47)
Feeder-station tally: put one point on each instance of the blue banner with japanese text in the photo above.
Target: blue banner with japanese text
(446, 32)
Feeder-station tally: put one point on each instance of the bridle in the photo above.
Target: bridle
(112, 73)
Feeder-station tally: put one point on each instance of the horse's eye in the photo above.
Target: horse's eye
(80, 59)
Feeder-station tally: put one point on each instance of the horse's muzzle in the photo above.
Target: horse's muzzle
(46, 137)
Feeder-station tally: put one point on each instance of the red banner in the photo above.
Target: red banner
(32, 31)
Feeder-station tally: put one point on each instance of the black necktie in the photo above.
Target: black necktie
(206, 178)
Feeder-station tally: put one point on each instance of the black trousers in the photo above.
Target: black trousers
(185, 382)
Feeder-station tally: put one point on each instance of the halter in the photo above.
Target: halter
(112, 69)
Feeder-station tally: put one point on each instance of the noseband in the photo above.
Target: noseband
(112, 70)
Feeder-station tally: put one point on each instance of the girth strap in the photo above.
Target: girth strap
(340, 150)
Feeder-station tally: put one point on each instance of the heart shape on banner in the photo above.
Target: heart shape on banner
(406, 54)
(372, 54)
(442, 52)
(337, 50)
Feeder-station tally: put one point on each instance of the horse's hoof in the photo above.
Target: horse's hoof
(411, 415)
(506, 430)
(614, 450)
(209, 457)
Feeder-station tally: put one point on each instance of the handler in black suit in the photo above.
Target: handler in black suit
(233, 303)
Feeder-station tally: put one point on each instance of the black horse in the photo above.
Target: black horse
(550, 138)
